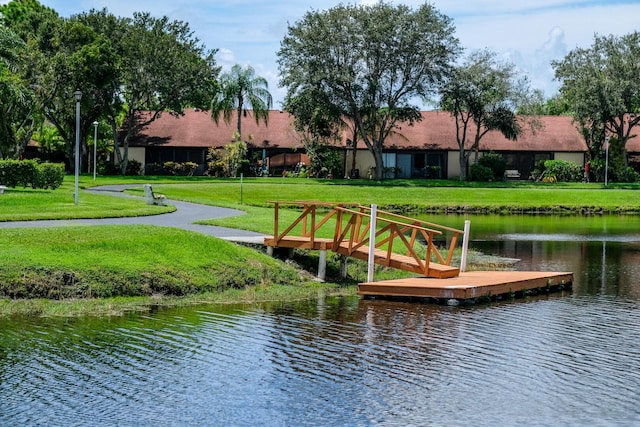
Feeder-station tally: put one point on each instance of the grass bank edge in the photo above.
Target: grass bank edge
(118, 306)
(80, 262)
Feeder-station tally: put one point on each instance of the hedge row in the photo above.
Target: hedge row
(31, 173)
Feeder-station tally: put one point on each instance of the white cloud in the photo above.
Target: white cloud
(226, 57)
(530, 33)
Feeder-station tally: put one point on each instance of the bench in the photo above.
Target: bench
(153, 199)
(2, 188)
(511, 174)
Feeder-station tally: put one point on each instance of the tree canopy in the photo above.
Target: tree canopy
(130, 70)
(483, 95)
(372, 63)
(602, 85)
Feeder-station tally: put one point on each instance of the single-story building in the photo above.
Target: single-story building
(427, 149)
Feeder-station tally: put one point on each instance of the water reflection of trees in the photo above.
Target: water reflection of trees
(599, 266)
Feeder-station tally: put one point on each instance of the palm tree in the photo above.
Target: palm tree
(241, 90)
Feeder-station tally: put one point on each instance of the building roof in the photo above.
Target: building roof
(436, 131)
(196, 128)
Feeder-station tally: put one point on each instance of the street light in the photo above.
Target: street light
(78, 95)
(95, 147)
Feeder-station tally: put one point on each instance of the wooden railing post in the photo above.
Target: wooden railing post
(372, 243)
(465, 245)
(276, 238)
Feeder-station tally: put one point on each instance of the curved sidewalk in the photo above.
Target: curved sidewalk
(183, 217)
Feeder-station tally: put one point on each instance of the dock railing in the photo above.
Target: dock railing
(308, 219)
(395, 234)
(395, 242)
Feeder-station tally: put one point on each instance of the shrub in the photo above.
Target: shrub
(480, 172)
(134, 167)
(325, 160)
(216, 163)
(188, 168)
(31, 173)
(153, 169)
(50, 175)
(434, 172)
(628, 174)
(496, 163)
(108, 168)
(171, 168)
(564, 171)
(244, 167)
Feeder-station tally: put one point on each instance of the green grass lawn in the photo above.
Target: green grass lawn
(403, 195)
(23, 204)
(418, 194)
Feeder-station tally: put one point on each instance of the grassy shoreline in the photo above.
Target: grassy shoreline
(68, 271)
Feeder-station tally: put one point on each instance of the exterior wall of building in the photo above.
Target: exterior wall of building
(570, 157)
(364, 161)
(453, 164)
(135, 153)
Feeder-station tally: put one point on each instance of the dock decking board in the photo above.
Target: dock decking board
(467, 285)
(297, 242)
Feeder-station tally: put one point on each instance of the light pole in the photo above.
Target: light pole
(95, 147)
(78, 95)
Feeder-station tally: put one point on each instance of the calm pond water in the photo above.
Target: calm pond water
(557, 360)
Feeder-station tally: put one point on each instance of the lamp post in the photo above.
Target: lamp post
(95, 147)
(78, 95)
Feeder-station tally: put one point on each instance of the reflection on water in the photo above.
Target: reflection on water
(551, 361)
(564, 359)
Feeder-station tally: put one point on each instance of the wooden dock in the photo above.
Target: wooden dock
(468, 285)
(403, 243)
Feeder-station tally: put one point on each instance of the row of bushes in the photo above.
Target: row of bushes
(490, 167)
(31, 173)
(172, 168)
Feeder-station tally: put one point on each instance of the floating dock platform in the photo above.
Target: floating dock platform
(468, 285)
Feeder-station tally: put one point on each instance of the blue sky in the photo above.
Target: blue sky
(529, 33)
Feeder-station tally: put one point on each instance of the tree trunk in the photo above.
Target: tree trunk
(240, 102)
(379, 172)
(463, 164)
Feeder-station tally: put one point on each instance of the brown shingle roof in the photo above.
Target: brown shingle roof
(197, 129)
(436, 131)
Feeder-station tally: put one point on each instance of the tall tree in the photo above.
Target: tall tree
(372, 62)
(483, 95)
(241, 90)
(320, 126)
(602, 85)
(23, 25)
(12, 91)
(164, 69)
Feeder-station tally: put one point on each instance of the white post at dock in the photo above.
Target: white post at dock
(465, 245)
(372, 242)
(322, 265)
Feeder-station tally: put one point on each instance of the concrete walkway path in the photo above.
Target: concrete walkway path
(183, 217)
